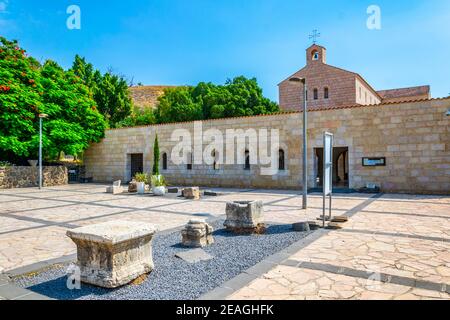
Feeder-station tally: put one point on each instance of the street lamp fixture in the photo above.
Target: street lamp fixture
(305, 139)
(41, 117)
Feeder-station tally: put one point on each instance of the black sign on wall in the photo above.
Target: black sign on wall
(374, 162)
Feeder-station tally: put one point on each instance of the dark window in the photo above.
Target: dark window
(316, 94)
(215, 165)
(326, 93)
(247, 160)
(315, 55)
(281, 160)
(164, 161)
(306, 95)
(189, 164)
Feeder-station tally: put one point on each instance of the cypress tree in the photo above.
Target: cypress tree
(156, 157)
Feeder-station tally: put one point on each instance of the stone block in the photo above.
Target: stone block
(314, 225)
(197, 234)
(212, 193)
(339, 219)
(194, 256)
(301, 227)
(245, 217)
(192, 193)
(115, 253)
(173, 190)
(116, 188)
(132, 187)
(334, 226)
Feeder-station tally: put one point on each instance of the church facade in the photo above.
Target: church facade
(333, 86)
(398, 140)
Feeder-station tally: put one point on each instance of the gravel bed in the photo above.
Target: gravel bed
(173, 278)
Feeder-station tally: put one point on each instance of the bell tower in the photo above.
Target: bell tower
(316, 54)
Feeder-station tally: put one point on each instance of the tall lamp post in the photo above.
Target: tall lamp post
(305, 139)
(41, 118)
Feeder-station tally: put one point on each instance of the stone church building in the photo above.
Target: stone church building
(398, 139)
(332, 86)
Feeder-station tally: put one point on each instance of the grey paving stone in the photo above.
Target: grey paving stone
(357, 273)
(11, 292)
(194, 255)
(34, 297)
(428, 285)
(291, 263)
(261, 268)
(219, 293)
(3, 279)
(35, 267)
(240, 281)
(279, 257)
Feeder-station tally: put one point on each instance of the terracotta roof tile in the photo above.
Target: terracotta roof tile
(412, 92)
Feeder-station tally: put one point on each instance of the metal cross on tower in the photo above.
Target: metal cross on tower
(315, 34)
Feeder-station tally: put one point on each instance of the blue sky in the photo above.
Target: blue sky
(178, 42)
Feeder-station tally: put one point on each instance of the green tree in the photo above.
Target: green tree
(139, 117)
(178, 105)
(110, 91)
(238, 97)
(156, 155)
(27, 89)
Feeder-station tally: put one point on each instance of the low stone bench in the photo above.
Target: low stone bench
(116, 188)
(245, 217)
(115, 253)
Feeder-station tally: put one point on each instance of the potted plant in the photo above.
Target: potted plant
(158, 185)
(141, 179)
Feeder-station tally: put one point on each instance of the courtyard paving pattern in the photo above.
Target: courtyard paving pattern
(400, 242)
(396, 247)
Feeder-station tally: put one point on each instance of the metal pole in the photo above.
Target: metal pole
(324, 165)
(40, 153)
(331, 176)
(305, 146)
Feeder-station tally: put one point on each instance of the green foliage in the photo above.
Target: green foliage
(238, 97)
(27, 89)
(4, 164)
(178, 105)
(156, 156)
(110, 91)
(158, 181)
(141, 177)
(139, 117)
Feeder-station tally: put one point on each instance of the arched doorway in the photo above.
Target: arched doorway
(340, 167)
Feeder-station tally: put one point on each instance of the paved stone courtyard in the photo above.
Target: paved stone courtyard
(402, 242)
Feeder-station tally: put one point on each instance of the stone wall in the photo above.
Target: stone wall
(25, 177)
(414, 137)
